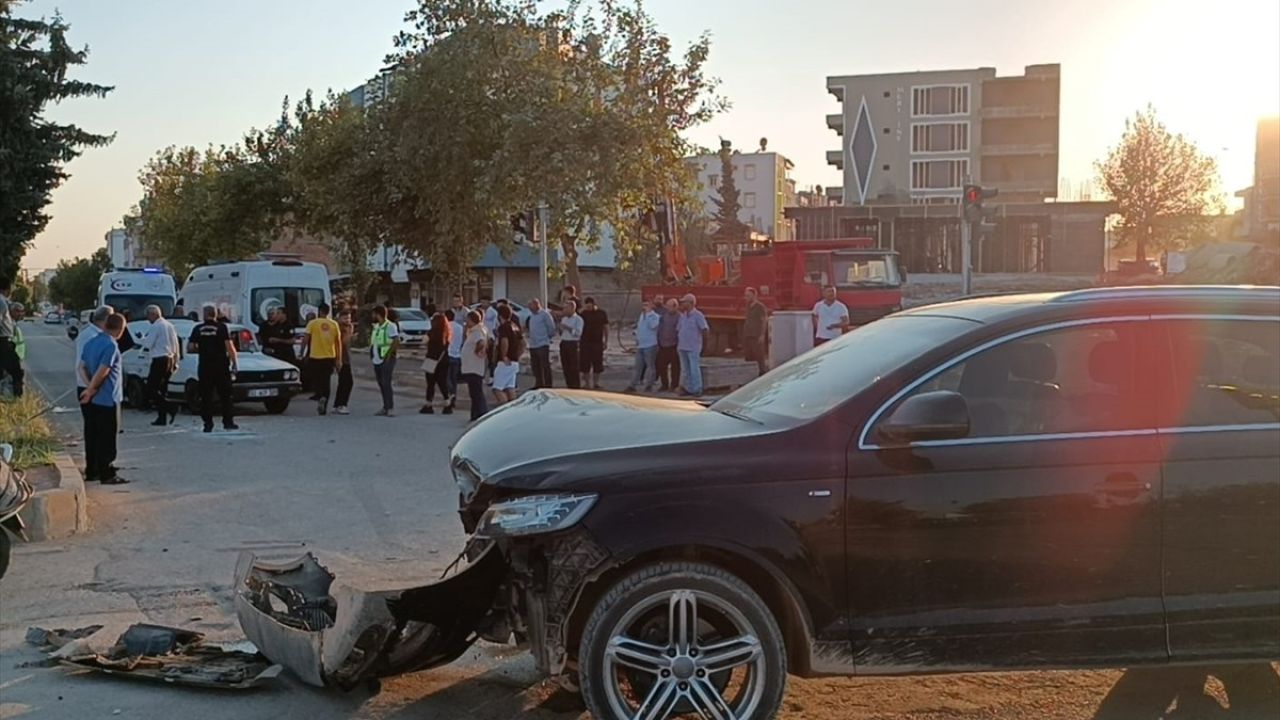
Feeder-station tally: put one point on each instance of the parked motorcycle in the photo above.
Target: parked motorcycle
(15, 492)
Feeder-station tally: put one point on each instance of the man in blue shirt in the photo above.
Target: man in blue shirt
(691, 333)
(100, 399)
(540, 328)
(646, 366)
(668, 359)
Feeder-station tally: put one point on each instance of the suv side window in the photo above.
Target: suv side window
(1074, 379)
(1225, 372)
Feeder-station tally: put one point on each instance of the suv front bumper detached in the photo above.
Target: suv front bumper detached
(331, 634)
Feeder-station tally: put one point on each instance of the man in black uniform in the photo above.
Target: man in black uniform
(276, 336)
(211, 341)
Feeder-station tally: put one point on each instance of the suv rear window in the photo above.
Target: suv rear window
(1226, 372)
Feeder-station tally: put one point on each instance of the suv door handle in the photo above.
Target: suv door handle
(1124, 483)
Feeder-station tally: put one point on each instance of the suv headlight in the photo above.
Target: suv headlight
(533, 515)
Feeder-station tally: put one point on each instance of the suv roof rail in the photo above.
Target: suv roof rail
(1225, 292)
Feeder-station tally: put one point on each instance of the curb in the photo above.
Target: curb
(61, 511)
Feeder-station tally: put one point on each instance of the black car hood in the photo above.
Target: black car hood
(553, 439)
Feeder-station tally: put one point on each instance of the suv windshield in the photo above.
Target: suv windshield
(819, 380)
(136, 305)
(412, 314)
(298, 302)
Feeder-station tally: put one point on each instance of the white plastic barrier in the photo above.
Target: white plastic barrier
(790, 334)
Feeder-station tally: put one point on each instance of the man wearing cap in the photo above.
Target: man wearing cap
(691, 335)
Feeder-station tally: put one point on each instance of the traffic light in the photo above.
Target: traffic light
(973, 197)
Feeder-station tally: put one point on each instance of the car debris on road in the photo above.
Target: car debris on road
(157, 653)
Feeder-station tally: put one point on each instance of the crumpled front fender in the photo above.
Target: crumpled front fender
(330, 634)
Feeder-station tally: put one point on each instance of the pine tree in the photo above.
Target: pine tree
(729, 228)
(34, 61)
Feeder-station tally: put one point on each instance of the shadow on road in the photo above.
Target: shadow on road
(494, 695)
(1229, 692)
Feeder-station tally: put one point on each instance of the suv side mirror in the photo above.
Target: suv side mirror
(938, 415)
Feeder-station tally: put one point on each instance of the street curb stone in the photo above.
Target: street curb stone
(61, 511)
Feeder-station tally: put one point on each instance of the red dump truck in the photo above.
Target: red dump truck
(790, 276)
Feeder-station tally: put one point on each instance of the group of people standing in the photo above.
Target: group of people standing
(100, 381)
(485, 346)
(326, 350)
(670, 335)
(472, 348)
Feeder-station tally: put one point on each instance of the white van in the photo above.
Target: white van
(244, 292)
(133, 289)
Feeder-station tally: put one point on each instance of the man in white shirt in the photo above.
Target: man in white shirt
(646, 364)
(161, 343)
(830, 317)
(570, 341)
(456, 339)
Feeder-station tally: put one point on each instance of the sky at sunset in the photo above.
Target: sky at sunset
(194, 73)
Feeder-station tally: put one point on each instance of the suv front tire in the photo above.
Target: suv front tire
(682, 637)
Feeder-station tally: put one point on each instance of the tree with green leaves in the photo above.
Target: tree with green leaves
(35, 59)
(729, 228)
(20, 292)
(498, 108)
(346, 189)
(76, 283)
(1165, 188)
(223, 203)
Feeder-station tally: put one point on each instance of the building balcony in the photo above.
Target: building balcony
(837, 91)
(1005, 149)
(836, 122)
(836, 158)
(1018, 111)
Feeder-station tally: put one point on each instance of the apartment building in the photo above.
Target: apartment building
(765, 189)
(913, 138)
(1262, 199)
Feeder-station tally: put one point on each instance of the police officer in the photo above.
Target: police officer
(211, 341)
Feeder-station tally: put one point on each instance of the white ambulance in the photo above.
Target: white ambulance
(131, 290)
(244, 292)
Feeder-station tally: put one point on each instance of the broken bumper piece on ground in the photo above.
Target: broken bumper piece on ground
(329, 634)
(156, 653)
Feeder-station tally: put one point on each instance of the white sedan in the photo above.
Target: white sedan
(260, 378)
(414, 326)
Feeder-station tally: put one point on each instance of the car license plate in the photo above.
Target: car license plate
(263, 392)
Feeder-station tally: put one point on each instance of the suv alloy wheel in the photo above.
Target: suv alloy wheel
(680, 638)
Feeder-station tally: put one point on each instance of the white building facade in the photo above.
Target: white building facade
(120, 247)
(765, 189)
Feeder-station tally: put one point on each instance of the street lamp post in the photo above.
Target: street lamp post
(540, 237)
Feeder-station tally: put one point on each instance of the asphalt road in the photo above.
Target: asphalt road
(372, 497)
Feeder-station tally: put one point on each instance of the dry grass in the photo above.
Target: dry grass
(22, 426)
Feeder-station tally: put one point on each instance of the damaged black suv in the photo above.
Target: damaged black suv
(1068, 480)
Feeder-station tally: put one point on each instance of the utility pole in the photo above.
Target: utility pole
(540, 237)
(966, 257)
